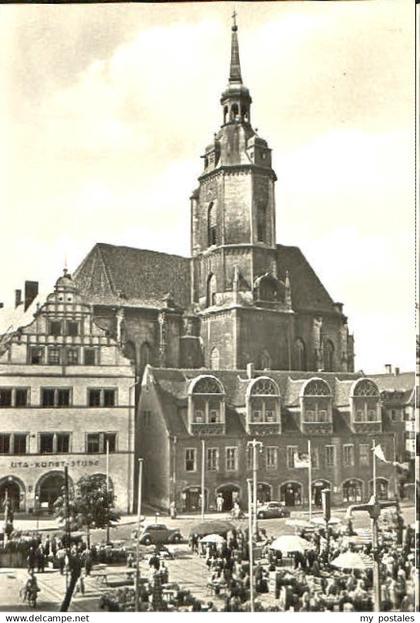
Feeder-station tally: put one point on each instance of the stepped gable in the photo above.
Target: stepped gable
(307, 291)
(119, 275)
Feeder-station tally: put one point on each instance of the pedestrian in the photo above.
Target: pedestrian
(61, 559)
(219, 503)
(31, 559)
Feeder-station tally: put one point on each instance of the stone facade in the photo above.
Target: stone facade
(66, 392)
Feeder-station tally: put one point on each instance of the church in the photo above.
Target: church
(240, 297)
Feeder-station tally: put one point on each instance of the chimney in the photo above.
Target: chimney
(396, 371)
(250, 370)
(18, 298)
(31, 291)
(388, 368)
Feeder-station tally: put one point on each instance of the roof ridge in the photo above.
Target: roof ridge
(126, 247)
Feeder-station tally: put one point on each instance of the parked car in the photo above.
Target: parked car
(270, 510)
(159, 533)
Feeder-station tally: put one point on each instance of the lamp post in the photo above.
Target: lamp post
(250, 547)
(254, 444)
(137, 602)
(157, 515)
(37, 512)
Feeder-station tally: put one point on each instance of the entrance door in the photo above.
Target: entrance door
(10, 490)
(381, 488)
(352, 491)
(317, 487)
(50, 489)
(230, 495)
(263, 492)
(291, 493)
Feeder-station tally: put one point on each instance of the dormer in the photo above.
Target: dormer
(263, 407)
(365, 407)
(206, 406)
(316, 407)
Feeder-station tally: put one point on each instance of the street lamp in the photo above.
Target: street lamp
(37, 512)
(156, 517)
(254, 444)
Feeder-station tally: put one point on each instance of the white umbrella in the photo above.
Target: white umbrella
(299, 523)
(320, 521)
(290, 543)
(352, 560)
(212, 538)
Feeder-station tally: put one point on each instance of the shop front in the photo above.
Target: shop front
(33, 484)
(291, 493)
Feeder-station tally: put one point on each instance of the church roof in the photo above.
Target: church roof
(114, 275)
(307, 291)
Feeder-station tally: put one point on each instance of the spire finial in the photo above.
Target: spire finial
(235, 65)
(234, 25)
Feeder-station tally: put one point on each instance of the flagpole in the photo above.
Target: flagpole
(203, 469)
(374, 470)
(310, 479)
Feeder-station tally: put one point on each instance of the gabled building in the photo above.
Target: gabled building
(184, 412)
(240, 297)
(66, 395)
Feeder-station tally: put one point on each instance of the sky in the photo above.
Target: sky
(106, 110)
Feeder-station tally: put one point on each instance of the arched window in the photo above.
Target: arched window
(263, 401)
(215, 359)
(262, 223)
(265, 361)
(225, 114)
(365, 401)
(207, 401)
(211, 290)
(211, 225)
(300, 355)
(234, 112)
(328, 352)
(130, 352)
(316, 402)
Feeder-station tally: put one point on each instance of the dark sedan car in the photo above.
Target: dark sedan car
(160, 534)
(270, 510)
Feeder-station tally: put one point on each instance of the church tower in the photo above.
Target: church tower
(233, 224)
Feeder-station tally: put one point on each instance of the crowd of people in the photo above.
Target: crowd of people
(308, 580)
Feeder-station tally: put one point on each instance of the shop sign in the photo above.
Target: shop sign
(49, 464)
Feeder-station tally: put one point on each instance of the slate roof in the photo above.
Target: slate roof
(307, 291)
(113, 275)
(404, 381)
(172, 384)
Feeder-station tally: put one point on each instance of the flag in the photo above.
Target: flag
(379, 453)
(301, 460)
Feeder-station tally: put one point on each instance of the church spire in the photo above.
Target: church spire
(235, 99)
(235, 64)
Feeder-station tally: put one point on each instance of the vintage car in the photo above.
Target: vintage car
(270, 510)
(159, 533)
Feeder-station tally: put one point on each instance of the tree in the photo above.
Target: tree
(91, 505)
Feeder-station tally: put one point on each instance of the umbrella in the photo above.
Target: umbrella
(320, 521)
(352, 560)
(212, 527)
(212, 538)
(290, 543)
(299, 523)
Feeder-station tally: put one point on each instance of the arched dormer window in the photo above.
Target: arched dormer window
(263, 401)
(328, 353)
(265, 361)
(365, 400)
(206, 401)
(211, 225)
(316, 401)
(211, 290)
(268, 288)
(300, 354)
(261, 223)
(215, 359)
